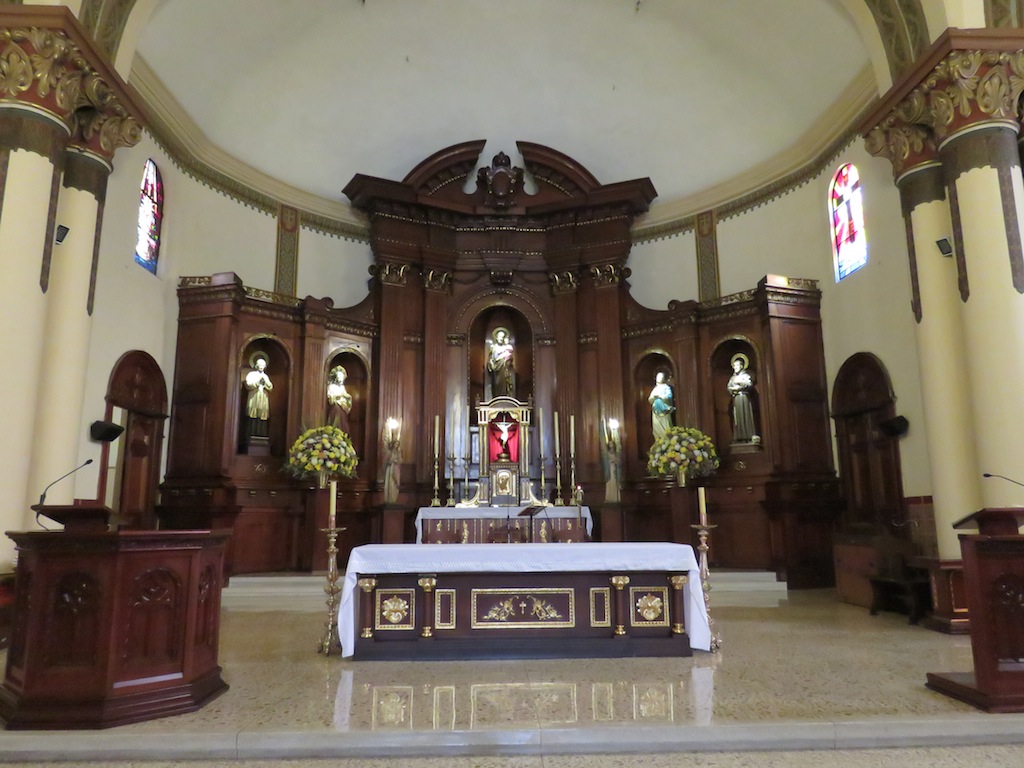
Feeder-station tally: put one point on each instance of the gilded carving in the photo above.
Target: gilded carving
(548, 607)
(650, 607)
(391, 273)
(65, 86)
(437, 280)
(394, 609)
(608, 274)
(563, 282)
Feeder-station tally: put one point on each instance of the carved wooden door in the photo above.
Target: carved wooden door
(867, 436)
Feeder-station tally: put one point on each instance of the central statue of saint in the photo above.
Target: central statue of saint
(501, 363)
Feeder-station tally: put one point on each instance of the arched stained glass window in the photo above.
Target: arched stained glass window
(849, 243)
(151, 213)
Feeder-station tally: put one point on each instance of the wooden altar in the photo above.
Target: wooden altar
(522, 601)
(113, 628)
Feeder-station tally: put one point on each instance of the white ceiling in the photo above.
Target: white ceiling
(691, 93)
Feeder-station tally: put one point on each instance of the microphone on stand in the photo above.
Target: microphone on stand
(1003, 477)
(42, 496)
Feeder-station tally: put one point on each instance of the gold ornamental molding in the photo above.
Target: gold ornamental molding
(49, 65)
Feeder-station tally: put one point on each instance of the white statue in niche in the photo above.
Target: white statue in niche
(257, 406)
(662, 406)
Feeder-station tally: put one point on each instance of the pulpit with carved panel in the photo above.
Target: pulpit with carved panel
(113, 628)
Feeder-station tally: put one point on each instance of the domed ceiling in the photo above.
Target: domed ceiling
(692, 93)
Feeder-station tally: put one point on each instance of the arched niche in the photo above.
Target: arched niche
(645, 376)
(279, 369)
(130, 469)
(721, 362)
(357, 385)
(482, 331)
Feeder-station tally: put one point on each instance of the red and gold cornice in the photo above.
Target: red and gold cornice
(50, 65)
(967, 79)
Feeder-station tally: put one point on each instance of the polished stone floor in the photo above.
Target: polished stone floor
(801, 680)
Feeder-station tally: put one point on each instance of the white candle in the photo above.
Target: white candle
(437, 434)
(702, 505)
(540, 428)
(557, 451)
(572, 435)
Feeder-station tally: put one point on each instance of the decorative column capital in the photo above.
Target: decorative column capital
(437, 280)
(965, 89)
(391, 273)
(48, 65)
(605, 275)
(565, 281)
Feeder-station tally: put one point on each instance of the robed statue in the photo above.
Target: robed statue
(339, 399)
(662, 406)
(501, 363)
(257, 405)
(741, 389)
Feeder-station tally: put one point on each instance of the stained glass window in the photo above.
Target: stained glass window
(151, 213)
(849, 244)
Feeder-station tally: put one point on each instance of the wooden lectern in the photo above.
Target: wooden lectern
(993, 561)
(112, 627)
(87, 517)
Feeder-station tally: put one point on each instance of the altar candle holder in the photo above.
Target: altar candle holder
(543, 487)
(436, 501)
(558, 481)
(465, 481)
(703, 531)
(330, 640)
(451, 481)
(572, 471)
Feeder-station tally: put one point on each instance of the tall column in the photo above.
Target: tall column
(31, 152)
(57, 92)
(952, 133)
(986, 196)
(940, 348)
(68, 325)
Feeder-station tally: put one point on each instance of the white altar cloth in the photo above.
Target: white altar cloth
(374, 559)
(499, 513)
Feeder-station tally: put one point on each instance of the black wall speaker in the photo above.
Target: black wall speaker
(105, 431)
(894, 427)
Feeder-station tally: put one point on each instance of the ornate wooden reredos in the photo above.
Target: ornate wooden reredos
(465, 260)
(455, 265)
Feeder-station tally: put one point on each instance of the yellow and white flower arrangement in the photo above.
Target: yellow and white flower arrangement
(683, 448)
(323, 452)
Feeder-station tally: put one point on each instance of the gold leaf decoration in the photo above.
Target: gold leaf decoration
(650, 607)
(15, 71)
(394, 609)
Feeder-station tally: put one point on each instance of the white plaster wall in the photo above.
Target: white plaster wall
(330, 266)
(869, 311)
(664, 270)
(203, 232)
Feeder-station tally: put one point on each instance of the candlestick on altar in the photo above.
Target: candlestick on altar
(436, 501)
(437, 436)
(543, 489)
(558, 480)
(451, 480)
(572, 471)
(558, 451)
